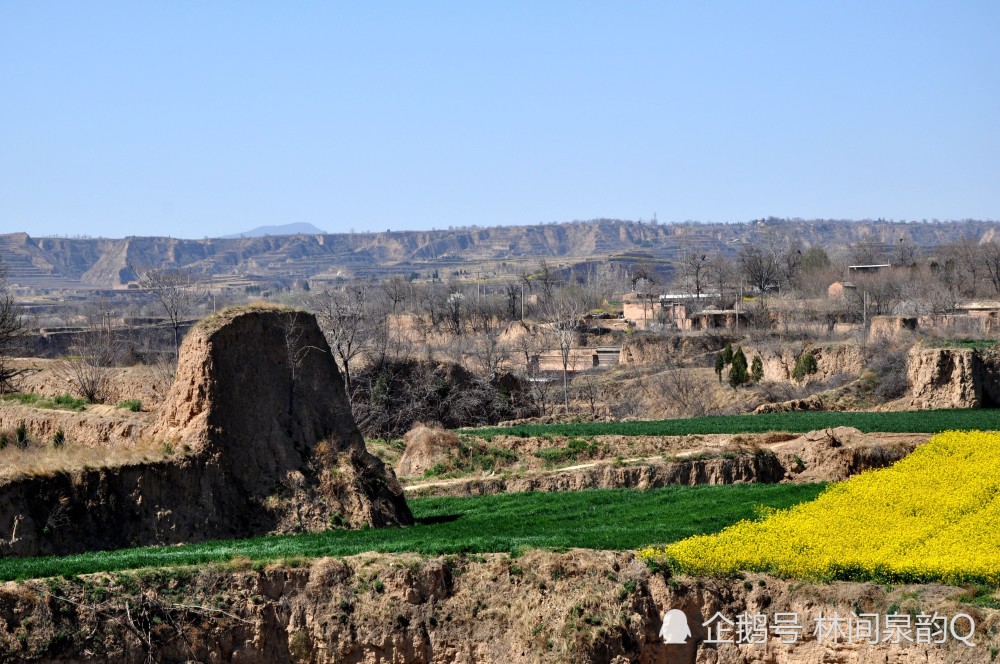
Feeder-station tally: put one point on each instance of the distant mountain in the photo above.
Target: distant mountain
(284, 256)
(283, 229)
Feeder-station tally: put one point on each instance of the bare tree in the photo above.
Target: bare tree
(455, 308)
(645, 290)
(514, 298)
(760, 266)
(867, 252)
(968, 257)
(904, 253)
(382, 344)
(876, 294)
(564, 313)
(344, 319)
(88, 364)
(12, 331)
(678, 386)
(540, 389)
(989, 254)
(397, 292)
(547, 279)
(432, 304)
(720, 274)
(589, 390)
(791, 265)
(491, 352)
(694, 270)
(296, 350)
(178, 292)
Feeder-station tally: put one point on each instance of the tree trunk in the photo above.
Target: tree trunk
(566, 386)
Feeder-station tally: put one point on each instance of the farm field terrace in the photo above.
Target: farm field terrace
(615, 519)
(921, 421)
(930, 517)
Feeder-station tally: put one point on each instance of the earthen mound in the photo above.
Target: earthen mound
(259, 391)
(262, 440)
(834, 454)
(425, 446)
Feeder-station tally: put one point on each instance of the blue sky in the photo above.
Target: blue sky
(197, 119)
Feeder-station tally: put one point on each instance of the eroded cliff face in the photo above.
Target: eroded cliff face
(575, 606)
(263, 441)
(832, 360)
(952, 378)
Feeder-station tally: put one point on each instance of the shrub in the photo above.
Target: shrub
(889, 368)
(69, 401)
(390, 397)
(21, 435)
(133, 405)
(436, 470)
(805, 365)
(59, 439)
(4, 440)
(573, 450)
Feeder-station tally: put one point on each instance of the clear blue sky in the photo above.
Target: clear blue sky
(191, 118)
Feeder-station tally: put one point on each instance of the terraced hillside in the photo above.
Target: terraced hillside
(103, 263)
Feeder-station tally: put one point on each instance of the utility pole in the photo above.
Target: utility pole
(522, 300)
(739, 298)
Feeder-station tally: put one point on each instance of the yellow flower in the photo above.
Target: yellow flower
(929, 517)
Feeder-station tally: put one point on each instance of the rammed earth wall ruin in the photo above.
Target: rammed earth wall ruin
(264, 442)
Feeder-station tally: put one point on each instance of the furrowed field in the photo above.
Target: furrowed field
(923, 421)
(598, 519)
(930, 517)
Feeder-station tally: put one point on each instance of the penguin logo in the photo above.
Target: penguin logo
(675, 628)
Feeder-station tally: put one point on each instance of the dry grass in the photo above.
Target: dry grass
(215, 320)
(41, 459)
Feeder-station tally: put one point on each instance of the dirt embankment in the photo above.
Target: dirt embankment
(96, 427)
(823, 455)
(263, 441)
(951, 378)
(147, 384)
(647, 349)
(576, 606)
(831, 360)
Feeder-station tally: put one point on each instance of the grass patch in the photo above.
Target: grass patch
(923, 421)
(981, 595)
(133, 405)
(388, 450)
(61, 402)
(471, 455)
(574, 450)
(978, 344)
(480, 524)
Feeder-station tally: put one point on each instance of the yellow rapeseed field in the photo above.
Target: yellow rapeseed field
(932, 516)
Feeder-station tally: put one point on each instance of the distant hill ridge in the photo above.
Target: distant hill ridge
(300, 228)
(103, 263)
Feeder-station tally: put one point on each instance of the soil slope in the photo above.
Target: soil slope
(574, 606)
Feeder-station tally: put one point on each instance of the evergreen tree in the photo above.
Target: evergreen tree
(720, 364)
(805, 365)
(738, 374)
(756, 369)
(727, 354)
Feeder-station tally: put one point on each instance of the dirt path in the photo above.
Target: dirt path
(825, 455)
